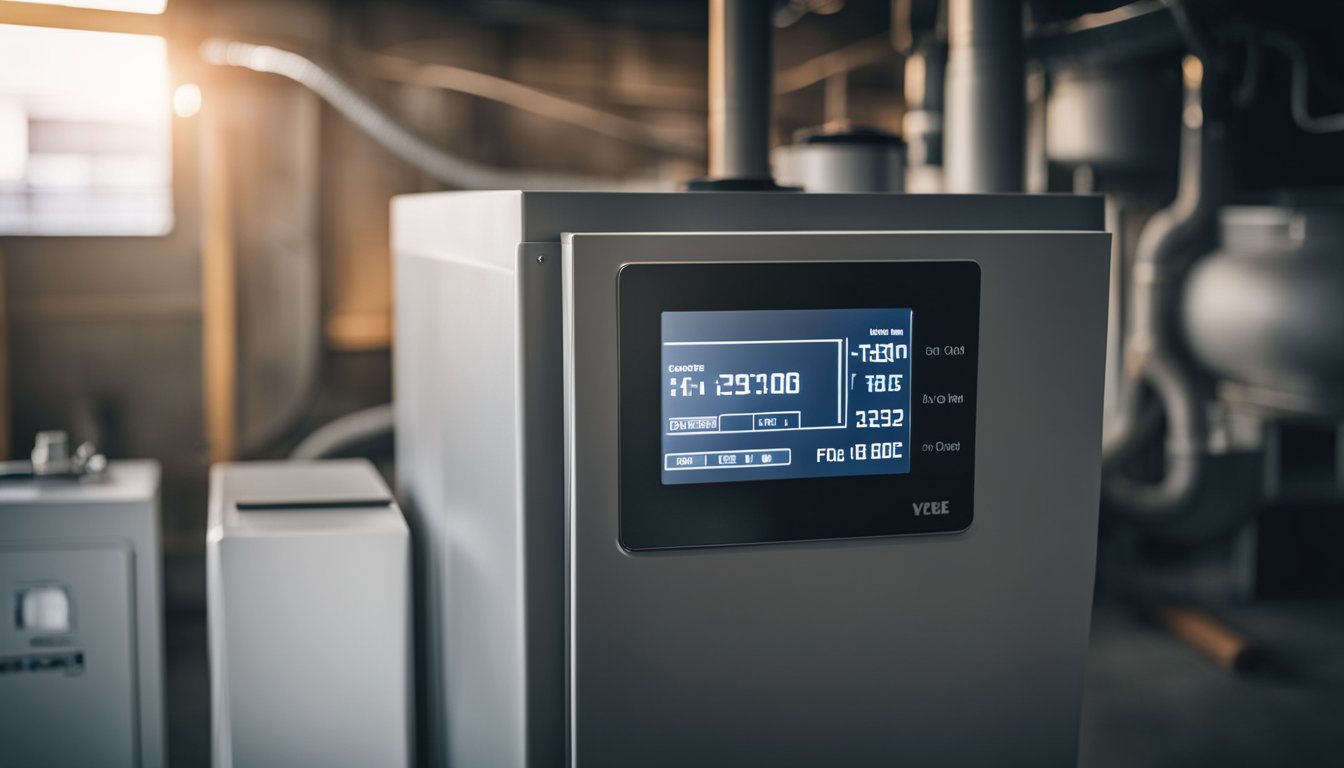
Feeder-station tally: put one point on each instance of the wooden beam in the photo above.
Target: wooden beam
(63, 17)
(219, 290)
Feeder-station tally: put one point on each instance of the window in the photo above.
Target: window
(85, 142)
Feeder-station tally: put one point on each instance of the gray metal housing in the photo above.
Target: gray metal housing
(955, 649)
(481, 456)
(98, 539)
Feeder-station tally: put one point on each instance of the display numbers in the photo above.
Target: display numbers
(888, 352)
(687, 387)
(735, 406)
(879, 418)
(877, 451)
(782, 383)
(884, 382)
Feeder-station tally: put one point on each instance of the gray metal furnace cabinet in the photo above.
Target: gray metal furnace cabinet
(81, 621)
(581, 604)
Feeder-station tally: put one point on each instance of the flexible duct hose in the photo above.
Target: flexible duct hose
(392, 135)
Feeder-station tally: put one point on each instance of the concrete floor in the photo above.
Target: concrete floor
(188, 690)
(1149, 700)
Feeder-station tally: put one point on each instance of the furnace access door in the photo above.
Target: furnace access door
(832, 496)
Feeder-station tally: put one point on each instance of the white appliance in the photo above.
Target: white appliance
(308, 578)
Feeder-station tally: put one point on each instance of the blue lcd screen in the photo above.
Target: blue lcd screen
(776, 394)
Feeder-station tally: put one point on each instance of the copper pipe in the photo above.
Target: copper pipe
(1225, 646)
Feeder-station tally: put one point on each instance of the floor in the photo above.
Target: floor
(188, 690)
(1149, 700)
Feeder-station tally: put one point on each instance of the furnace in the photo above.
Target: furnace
(746, 478)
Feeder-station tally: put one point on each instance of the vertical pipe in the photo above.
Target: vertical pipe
(740, 85)
(985, 97)
(1152, 353)
(1036, 176)
(923, 124)
(835, 102)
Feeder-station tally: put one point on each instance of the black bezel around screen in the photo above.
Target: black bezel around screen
(945, 299)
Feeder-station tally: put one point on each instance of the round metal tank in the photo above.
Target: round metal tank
(858, 160)
(1267, 309)
(1114, 120)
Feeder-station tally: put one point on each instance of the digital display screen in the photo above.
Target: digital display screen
(776, 394)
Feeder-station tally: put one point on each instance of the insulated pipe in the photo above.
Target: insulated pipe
(984, 124)
(740, 76)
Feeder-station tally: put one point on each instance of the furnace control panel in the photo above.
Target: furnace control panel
(785, 394)
(796, 401)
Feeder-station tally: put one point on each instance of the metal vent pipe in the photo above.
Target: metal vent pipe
(740, 85)
(984, 130)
